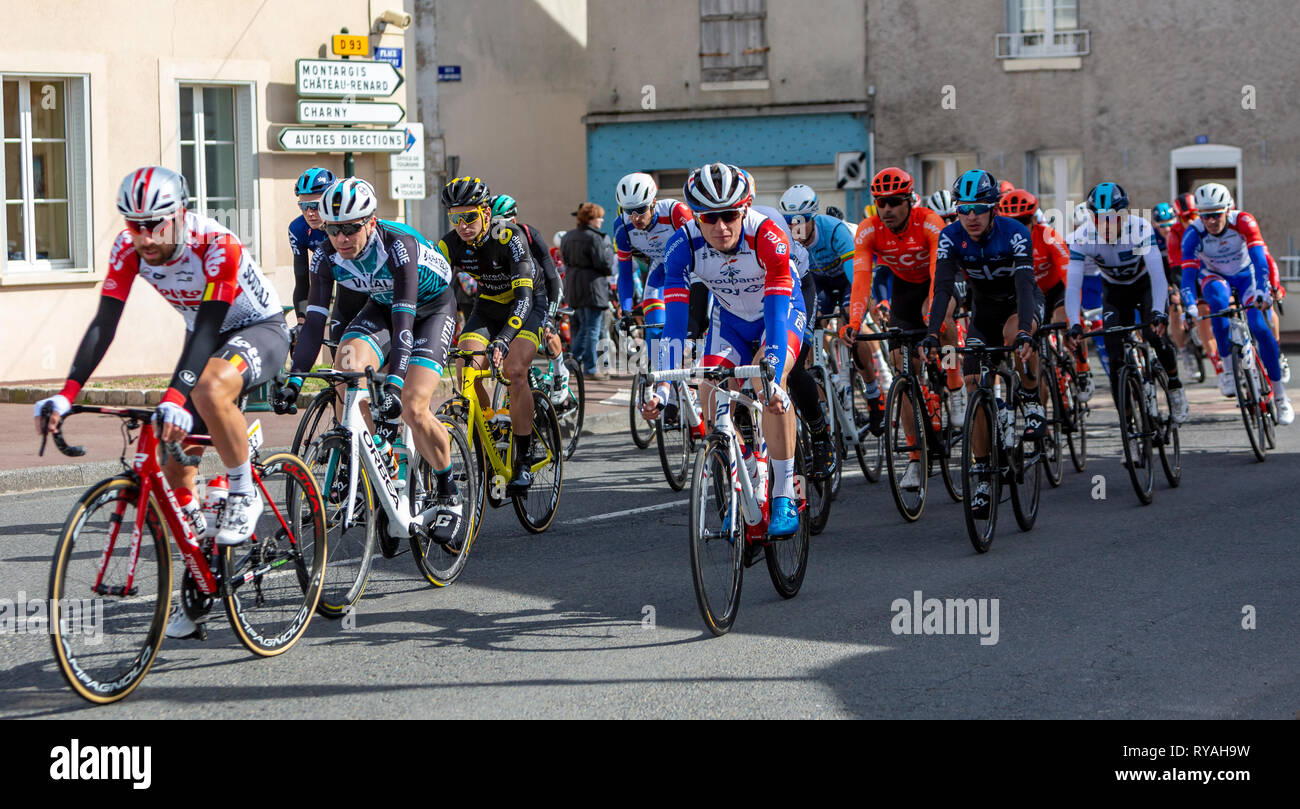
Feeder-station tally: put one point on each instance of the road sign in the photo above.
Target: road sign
(303, 139)
(406, 185)
(350, 45)
(448, 72)
(349, 112)
(392, 56)
(346, 77)
(851, 170)
(411, 157)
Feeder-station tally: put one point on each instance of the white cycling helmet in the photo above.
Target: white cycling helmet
(348, 200)
(636, 191)
(152, 192)
(717, 187)
(1213, 197)
(1081, 214)
(800, 199)
(559, 235)
(941, 203)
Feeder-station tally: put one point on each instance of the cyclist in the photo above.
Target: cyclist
(236, 336)
(941, 203)
(511, 304)
(744, 258)
(306, 234)
(1185, 207)
(995, 253)
(406, 325)
(1122, 246)
(1223, 254)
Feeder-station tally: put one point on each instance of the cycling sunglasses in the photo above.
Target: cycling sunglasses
(1212, 214)
(797, 219)
(728, 217)
(636, 211)
(309, 206)
(974, 207)
(465, 217)
(344, 230)
(144, 225)
(891, 202)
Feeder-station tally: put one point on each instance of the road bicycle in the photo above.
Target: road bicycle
(678, 431)
(269, 585)
(568, 394)
(1254, 389)
(631, 336)
(843, 392)
(1065, 416)
(729, 509)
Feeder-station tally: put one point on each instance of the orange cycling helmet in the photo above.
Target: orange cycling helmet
(891, 181)
(1017, 203)
(1006, 187)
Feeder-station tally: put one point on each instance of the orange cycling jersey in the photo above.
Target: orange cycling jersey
(910, 255)
(1051, 256)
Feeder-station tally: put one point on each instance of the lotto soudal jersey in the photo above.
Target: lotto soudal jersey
(999, 268)
(831, 252)
(649, 243)
(210, 264)
(1131, 256)
(394, 251)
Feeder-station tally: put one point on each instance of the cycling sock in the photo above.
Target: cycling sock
(523, 443)
(954, 379)
(783, 478)
(872, 389)
(445, 484)
(241, 478)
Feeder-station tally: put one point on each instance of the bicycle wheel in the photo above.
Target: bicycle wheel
(1171, 451)
(642, 430)
(440, 564)
(787, 559)
(1133, 435)
(981, 415)
(949, 453)
(1198, 353)
(717, 536)
(910, 502)
(273, 583)
(674, 450)
(1248, 402)
(870, 448)
(1053, 460)
(536, 507)
(104, 656)
(1268, 418)
(572, 409)
(1026, 476)
(351, 545)
(316, 419)
(815, 490)
(1077, 436)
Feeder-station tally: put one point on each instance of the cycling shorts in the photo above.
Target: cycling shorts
(435, 325)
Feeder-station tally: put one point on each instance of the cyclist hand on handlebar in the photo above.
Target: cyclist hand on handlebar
(284, 399)
(848, 334)
(654, 401)
(173, 422)
(930, 343)
(59, 407)
(777, 400)
(1024, 345)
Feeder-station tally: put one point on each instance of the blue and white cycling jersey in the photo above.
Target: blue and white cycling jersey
(831, 253)
(650, 243)
(1124, 262)
(392, 244)
(303, 238)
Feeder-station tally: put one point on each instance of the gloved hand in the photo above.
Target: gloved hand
(929, 344)
(1074, 332)
(1023, 339)
(881, 312)
(848, 334)
(626, 323)
(390, 407)
(59, 407)
(467, 283)
(1260, 300)
(501, 346)
(1160, 319)
(284, 399)
(170, 414)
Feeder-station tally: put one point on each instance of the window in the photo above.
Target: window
(733, 42)
(217, 155)
(46, 224)
(939, 170)
(1056, 178)
(1042, 28)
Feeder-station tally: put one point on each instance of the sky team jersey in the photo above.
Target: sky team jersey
(304, 239)
(999, 268)
(1239, 248)
(393, 249)
(1051, 256)
(210, 265)
(651, 244)
(1135, 255)
(831, 252)
(910, 255)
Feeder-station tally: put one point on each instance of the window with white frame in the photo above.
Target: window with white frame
(937, 170)
(1042, 28)
(218, 147)
(45, 171)
(1056, 178)
(733, 40)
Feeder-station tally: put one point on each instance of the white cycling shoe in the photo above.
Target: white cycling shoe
(1285, 412)
(238, 518)
(1086, 388)
(957, 408)
(1178, 404)
(179, 624)
(912, 477)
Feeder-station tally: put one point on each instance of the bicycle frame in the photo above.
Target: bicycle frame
(400, 519)
(478, 425)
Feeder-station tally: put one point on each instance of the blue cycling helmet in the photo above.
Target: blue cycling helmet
(313, 181)
(976, 185)
(1106, 197)
(1164, 212)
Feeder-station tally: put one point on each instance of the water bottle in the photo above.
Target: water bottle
(499, 424)
(932, 404)
(192, 512)
(386, 453)
(1149, 388)
(1006, 424)
(760, 478)
(218, 489)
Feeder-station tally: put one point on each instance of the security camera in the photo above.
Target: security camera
(397, 18)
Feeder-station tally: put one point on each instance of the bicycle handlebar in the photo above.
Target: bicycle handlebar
(907, 335)
(762, 371)
(172, 448)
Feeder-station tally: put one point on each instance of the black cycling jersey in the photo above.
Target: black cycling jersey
(542, 258)
(502, 266)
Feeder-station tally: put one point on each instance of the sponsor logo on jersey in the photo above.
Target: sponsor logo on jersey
(188, 377)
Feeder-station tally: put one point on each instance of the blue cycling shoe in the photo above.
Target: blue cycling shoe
(785, 518)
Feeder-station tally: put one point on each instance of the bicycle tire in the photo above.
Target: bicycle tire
(1171, 449)
(130, 630)
(900, 452)
(1077, 437)
(980, 530)
(1247, 402)
(642, 430)
(817, 490)
(1198, 353)
(717, 555)
(1132, 426)
(290, 533)
(571, 425)
(869, 448)
(310, 425)
(948, 454)
(439, 565)
(1053, 462)
(536, 507)
(787, 559)
(1026, 461)
(351, 552)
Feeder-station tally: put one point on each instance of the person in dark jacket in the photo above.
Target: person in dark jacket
(589, 263)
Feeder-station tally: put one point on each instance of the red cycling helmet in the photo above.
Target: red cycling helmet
(1185, 204)
(890, 182)
(1017, 203)
(1005, 187)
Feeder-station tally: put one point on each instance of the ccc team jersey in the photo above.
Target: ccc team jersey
(910, 255)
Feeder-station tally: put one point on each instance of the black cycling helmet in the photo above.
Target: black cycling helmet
(976, 185)
(464, 191)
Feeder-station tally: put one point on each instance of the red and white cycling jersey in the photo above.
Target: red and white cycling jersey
(210, 265)
(1225, 254)
(739, 280)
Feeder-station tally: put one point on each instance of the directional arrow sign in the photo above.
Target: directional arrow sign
(303, 139)
(346, 77)
(349, 112)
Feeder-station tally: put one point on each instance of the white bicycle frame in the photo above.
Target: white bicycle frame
(400, 519)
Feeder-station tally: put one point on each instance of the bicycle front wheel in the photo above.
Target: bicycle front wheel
(816, 492)
(642, 430)
(1077, 434)
(870, 448)
(572, 409)
(1026, 461)
(441, 564)
(1248, 402)
(351, 543)
(105, 634)
(980, 479)
(1171, 449)
(536, 507)
(674, 446)
(273, 582)
(1132, 431)
(1053, 460)
(904, 449)
(316, 419)
(717, 536)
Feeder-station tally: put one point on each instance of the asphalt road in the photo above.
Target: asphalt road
(1107, 609)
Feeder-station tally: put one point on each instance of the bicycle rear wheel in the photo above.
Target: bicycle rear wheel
(949, 454)
(105, 655)
(981, 415)
(717, 538)
(273, 583)
(1133, 434)
(674, 447)
(642, 430)
(815, 490)
(1026, 462)
(441, 564)
(1054, 412)
(351, 546)
(870, 448)
(910, 502)
(571, 411)
(1077, 436)
(1171, 450)
(787, 559)
(316, 419)
(536, 507)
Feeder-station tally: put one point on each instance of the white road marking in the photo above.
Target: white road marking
(616, 514)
